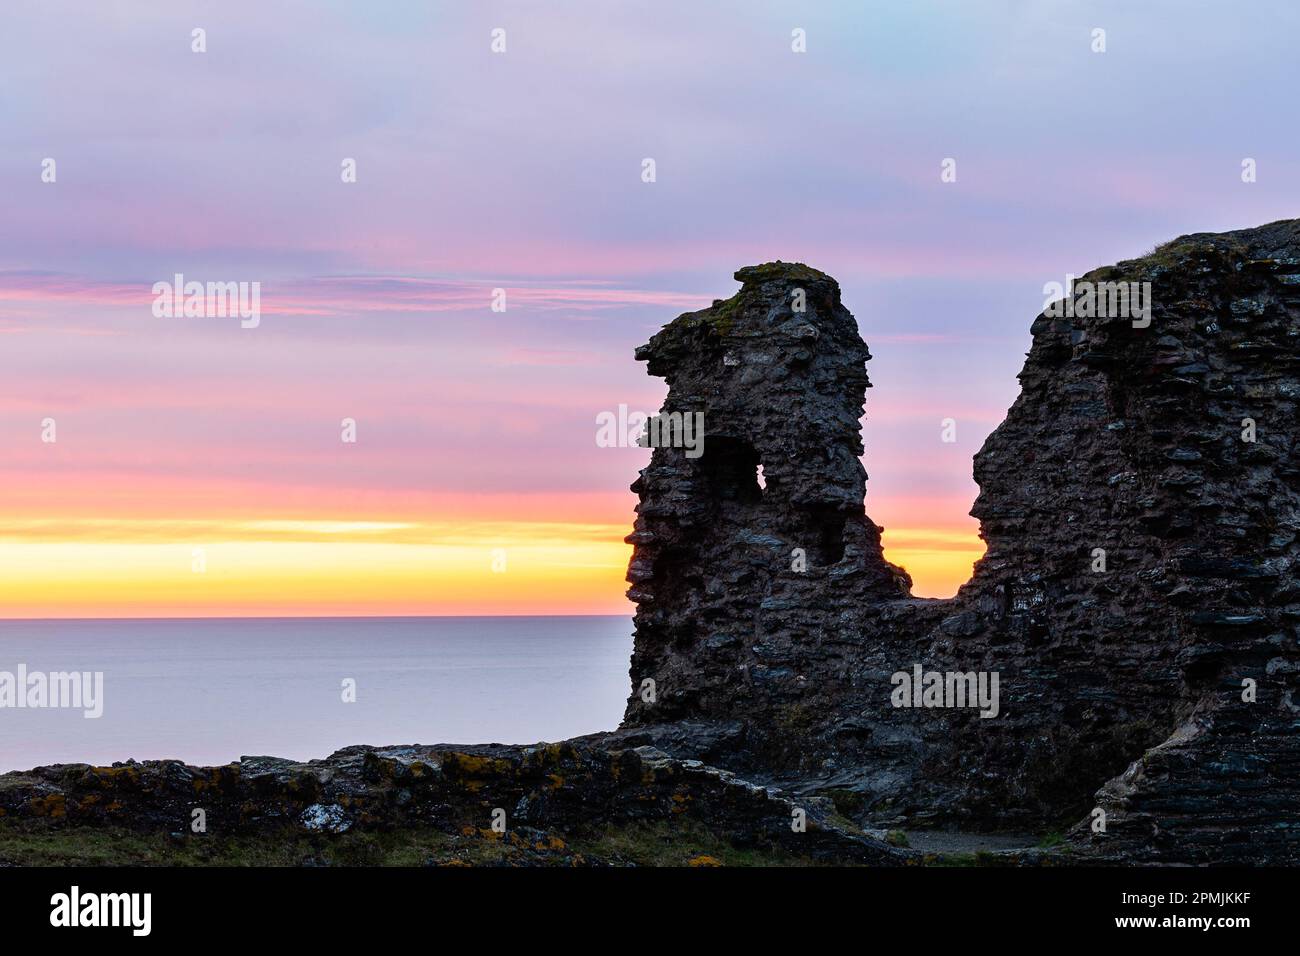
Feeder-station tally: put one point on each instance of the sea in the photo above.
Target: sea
(208, 691)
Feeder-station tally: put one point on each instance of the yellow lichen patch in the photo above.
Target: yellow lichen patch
(546, 755)
(53, 806)
(556, 781)
(704, 860)
(115, 776)
(113, 807)
(213, 781)
(472, 765)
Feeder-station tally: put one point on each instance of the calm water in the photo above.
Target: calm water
(209, 691)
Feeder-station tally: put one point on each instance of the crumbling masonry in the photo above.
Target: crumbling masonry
(1162, 691)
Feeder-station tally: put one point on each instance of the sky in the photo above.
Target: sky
(197, 466)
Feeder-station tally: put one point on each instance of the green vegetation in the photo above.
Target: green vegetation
(1175, 251)
(87, 846)
(681, 843)
(797, 271)
(674, 845)
(721, 318)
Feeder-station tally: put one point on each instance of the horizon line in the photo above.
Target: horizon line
(299, 617)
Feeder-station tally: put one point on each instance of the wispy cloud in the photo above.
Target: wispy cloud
(354, 294)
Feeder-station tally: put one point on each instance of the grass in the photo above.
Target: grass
(664, 845)
(646, 844)
(1052, 839)
(660, 843)
(86, 846)
(1172, 253)
(796, 271)
(896, 838)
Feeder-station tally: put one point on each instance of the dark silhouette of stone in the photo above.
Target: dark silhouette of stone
(781, 390)
(1121, 690)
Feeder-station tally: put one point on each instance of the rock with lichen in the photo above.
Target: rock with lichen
(1140, 505)
(544, 799)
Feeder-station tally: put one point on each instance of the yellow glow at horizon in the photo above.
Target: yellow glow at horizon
(555, 568)
(938, 559)
(142, 568)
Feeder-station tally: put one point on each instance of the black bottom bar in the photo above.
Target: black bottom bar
(533, 905)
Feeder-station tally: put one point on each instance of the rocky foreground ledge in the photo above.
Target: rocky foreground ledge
(593, 801)
(1137, 604)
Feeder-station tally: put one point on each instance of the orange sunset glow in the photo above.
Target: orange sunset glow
(160, 565)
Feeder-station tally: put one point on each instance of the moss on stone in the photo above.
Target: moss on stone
(722, 317)
(794, 271)
(1175, 252)
(719, 319)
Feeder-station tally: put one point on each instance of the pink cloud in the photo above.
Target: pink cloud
(353, 294)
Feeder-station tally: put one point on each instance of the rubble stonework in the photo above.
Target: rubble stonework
(1120, 688)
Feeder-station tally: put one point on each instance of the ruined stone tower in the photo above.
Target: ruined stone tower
(778, 371)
